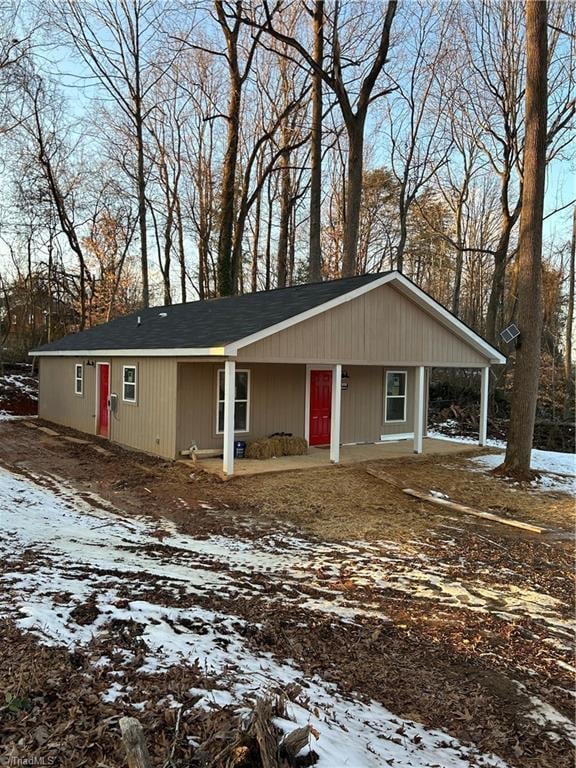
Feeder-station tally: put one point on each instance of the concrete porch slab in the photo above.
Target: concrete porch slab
(320, 457)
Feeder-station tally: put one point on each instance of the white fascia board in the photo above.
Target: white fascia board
(232, 349)
(174, 352)
(451, 320)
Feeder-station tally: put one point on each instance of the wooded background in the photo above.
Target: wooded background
(158, 152)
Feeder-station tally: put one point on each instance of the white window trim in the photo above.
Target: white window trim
(404, 397)
(135, 383)
(219, 372)
(79, 379)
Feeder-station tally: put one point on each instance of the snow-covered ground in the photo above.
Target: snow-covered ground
(84, 551)
(558, 469)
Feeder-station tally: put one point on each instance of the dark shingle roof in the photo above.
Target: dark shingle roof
(211, 323)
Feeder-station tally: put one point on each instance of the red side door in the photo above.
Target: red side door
(103, 394)
(320, 407)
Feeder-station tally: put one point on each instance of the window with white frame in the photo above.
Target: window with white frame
(79, 379)
(395, 405)
(241, 402)
(129, 383)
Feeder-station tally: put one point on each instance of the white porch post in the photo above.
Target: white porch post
(419, 408)
(484, 384)
(335, 414)
(229, 397)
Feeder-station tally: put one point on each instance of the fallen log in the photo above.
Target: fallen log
(296, 740)
(134, 743)
(454, 506)
(471, 511)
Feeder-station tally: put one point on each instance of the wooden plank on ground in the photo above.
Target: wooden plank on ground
(30, 424)
(101, 450)
(48, 431)
(471, 511)
(452, 505)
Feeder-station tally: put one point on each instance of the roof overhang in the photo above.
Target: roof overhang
(398, 280)
(407, 287)
(171, 352)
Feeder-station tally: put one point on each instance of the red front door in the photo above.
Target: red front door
(320, 407)
(103, 394)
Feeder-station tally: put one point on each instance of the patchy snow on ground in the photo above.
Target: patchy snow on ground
(16, 381)
(549, 719)
(5, 416)
(455, 438)
(558, 469)
(60, 552)
(552, 464)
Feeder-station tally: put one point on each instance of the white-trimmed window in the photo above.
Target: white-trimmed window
(241, 402)
(79, 379)
(129, 383)
(395, 400)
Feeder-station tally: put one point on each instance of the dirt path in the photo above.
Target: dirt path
(459, 626)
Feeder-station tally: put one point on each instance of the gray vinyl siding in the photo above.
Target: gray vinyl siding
(363, 405)
(277, 402)
(381, 327)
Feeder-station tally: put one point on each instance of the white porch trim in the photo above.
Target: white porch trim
(336, 413)
(395, 438)
(419, 400)
(229, 396)
(484, 388)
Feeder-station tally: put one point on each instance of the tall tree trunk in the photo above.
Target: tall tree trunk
(285, 194)
(292, 243)
(267, 283)
(355, 129)
(181, 250)
(403, 225)
(459, 260)
(569, 374)
(315, 263)
(256, 242)
(498, 281)
(527, 368)
(226, 285)
(142, 206)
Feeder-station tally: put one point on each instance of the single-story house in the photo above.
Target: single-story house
(338, 362)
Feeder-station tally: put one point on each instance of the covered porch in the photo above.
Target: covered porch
(320, 457)
(334, 451)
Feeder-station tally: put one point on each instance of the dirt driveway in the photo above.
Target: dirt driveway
(459, 625)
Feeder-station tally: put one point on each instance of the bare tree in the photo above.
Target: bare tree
(416, 113)
(569, 373)
(354, 97)
(315, 225)
(52, 153)
(118, 42)
(527, 366)
(229, 17)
